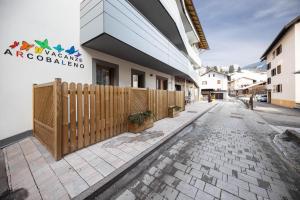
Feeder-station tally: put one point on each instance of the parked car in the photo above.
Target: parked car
(262, 98)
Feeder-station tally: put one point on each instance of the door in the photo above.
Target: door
(219, 95)
(269, 96)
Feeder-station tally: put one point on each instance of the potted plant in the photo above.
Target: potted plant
(173, 111)
(140, 121)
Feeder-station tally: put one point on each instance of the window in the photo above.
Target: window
(106, 73)
(208, 75)
(279, 69)
(204, 82)
(278, 50)
(218, 81)
(137, 79)
(279, 88)
(213, 75)
(273, 72)
(161, 83)
(269, 80)
(269, 66)
(178, 87)
(273, 53)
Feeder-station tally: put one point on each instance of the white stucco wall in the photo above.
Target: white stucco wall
(57, 20)
(242, 82)
(212, 81)
(287, 61)
(297, 62)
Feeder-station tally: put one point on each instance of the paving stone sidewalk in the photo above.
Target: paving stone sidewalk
(226, 155)
(31, 169)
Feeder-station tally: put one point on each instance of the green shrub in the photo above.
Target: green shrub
(139, 118)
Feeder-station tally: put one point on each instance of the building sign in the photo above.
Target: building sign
(42, 51)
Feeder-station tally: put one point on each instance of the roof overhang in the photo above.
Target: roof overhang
(279, 36)
(110, 45)
(156, 13)
(196, 22)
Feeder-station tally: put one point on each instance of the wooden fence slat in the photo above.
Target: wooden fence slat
(57, 119)
(102, 114)
(122, 110)
(115, 110)
(111, 110)
(92, 114)
(80, 131)
(65, 123)
(73, 139)
(107, 110)
(125, 115)
(98, 120)
(86, 115)
(118, 110)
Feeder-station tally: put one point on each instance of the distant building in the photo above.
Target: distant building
(239, 81)
(238, 84)
(253, 89)
(283, 59)
(215, 83)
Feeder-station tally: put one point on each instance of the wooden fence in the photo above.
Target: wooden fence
(69, 116)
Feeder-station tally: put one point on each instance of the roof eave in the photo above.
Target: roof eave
(203, 44)
(279, 36)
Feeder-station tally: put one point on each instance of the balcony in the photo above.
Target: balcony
(118, 28)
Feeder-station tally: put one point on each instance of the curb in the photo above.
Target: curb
(4, 188)
(117, 174)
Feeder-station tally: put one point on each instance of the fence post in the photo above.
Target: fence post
(183, 101)
(129, 101)
(57, 98)
(33, 111)
(148, 99)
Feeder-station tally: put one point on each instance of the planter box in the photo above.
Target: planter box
(173, 113)
(136, 128)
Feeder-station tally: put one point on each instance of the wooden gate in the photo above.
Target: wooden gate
(47, 116)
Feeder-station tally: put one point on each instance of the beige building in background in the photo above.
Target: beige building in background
(283, 58)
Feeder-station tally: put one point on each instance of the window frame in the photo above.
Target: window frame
(279, 88)
(279, 50)
(278, 69)
(138, 73)
(269, 66)
(273, 72)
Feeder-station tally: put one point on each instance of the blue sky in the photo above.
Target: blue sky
(238, 31)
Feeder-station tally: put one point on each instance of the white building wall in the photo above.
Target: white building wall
(212, 81)
(59, 22)
(297, 62)
(120, 19)
(173, 11)
(287, 61)
(242, 82)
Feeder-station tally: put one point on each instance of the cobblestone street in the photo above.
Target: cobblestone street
(226, 154)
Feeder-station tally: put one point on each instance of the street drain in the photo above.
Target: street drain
(238, 117)
(191, 111)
